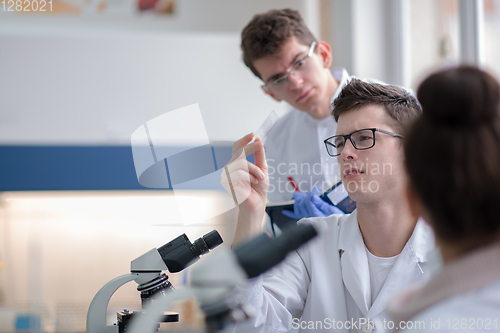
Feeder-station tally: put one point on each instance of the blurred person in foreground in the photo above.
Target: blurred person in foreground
(453, 161)
(342, 280)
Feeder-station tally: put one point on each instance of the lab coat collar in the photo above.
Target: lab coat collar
(349, 230)
(355, 270)
(340, 74)
(354, 262)
(422, 240)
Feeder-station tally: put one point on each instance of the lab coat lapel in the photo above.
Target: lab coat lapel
(354, 262)
(408, 268)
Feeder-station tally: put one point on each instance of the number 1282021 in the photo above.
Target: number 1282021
(26, 5)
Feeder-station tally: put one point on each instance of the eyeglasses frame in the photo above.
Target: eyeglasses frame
(348, 137)
(267, 87)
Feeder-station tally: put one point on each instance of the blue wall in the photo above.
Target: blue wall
(34, 168)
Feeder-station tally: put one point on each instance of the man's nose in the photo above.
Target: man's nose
(294, 80)
(349, 152)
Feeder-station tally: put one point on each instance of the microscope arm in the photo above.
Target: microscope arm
(96, 317)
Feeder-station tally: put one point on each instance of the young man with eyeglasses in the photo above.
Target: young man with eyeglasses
(295, 67)
(341, 281)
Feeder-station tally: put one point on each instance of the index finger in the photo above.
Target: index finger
(260, 157)
(241, 143)
(246, 146)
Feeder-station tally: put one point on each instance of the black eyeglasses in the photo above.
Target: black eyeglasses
(360, 139)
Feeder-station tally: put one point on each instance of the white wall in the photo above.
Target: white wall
(93, 79)
(431, 27)
(362, 37)
(98, 88)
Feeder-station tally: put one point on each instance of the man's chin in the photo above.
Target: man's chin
(316, 114)
(308, 105)
(362, 198)
(314, 111)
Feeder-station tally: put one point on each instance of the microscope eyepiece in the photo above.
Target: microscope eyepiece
(207, 242)
(180, 253)
(200, 246)
(213, 239)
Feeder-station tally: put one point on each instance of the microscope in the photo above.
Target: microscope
(146, 271)
(215, 281)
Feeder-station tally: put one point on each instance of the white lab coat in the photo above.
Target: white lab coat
(328, 279)
(463, 297)
(295, 147)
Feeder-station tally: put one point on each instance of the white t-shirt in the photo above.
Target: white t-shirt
(379, 267)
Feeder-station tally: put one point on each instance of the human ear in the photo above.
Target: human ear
(325, 53)
(270, 94)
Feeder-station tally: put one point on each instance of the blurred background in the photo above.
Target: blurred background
(78, 79)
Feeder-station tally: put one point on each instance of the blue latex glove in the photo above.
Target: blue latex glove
(310, 205)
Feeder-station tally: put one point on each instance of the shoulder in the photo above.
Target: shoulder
(320, 250)
(322, 224)
(329, 226)
(468, 312)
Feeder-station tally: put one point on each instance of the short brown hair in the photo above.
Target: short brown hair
(453, 155)
(401, 106)
(266, 33)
